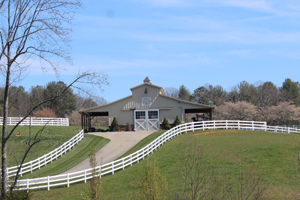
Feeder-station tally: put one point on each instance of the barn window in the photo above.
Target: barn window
(140, 115)
(152, 114)
(146, 101)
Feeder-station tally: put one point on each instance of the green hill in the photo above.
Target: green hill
(226, 155)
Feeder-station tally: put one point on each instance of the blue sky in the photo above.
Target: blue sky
(182, 42)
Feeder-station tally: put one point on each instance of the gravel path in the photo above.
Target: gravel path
(120, 143)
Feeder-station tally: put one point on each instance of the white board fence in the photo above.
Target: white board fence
(37, 121)
(47, 158)
(120, 164)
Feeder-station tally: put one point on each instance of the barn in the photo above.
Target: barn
(145, 109)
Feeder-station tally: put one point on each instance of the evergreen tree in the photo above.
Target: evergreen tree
(290, 91)
(114, 125)
(177, 121)
(184, 93)
(63, 105)
(165, 124)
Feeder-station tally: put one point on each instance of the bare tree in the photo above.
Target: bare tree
(171, 92)
(194, 178)
(267, 94)
(32, 30)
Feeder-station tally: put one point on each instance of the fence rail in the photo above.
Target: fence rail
(47, 158)
(120, 164)
(37, 121)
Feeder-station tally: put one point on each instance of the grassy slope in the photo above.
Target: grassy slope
(72, 158)
(52, 137)
(273, 154)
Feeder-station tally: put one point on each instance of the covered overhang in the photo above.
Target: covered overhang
(206, 113)
(86, 118)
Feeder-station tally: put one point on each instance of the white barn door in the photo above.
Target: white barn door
(146, 120)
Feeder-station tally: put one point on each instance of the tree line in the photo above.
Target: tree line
(20, 100)
(245, 101)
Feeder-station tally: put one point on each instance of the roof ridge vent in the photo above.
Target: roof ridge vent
(147, 80)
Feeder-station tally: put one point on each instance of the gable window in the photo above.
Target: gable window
(146, 101)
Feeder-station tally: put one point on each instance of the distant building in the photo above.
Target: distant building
(145, 109)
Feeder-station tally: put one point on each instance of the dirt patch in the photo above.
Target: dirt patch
(216, 132)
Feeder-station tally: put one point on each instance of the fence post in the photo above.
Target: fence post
(112, 168)
(193, 126)
(27, 184)
(123, 163)
(214, 124)
(130, 160)
(185, 128)
(203, 125)
(84, 175)
(143, 154)
(30, 166)
(239, 124)
(252, 125)
(265, 126)
(20, 171)
(39, 162)
(68, 184)
(137, 156)
(48, 183)
(288, 129)
(100, 171)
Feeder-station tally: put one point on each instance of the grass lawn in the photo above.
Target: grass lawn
(72, 158)
(274, 155)
(52, 137)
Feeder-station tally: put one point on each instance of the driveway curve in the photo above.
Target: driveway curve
(120, 143)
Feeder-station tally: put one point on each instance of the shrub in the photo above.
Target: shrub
(153, 185)
(114, 125)
(177, 121)
(46, 112)
(165, 124)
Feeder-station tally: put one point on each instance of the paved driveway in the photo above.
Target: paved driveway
(120, 142)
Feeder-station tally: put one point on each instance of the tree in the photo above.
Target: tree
(114, 125)
(95, 191)
(184, 93)
(290, 91)
(233, 95)
(32, 30)
(201, 95)
(267, 94)
(218, 95)
(171, 92)
(165, 124)
(248, 92)
(241, 110)
(65, 104)
(177, 121)
(194, 179)
(153, 185)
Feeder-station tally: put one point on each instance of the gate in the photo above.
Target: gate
(146, 120)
